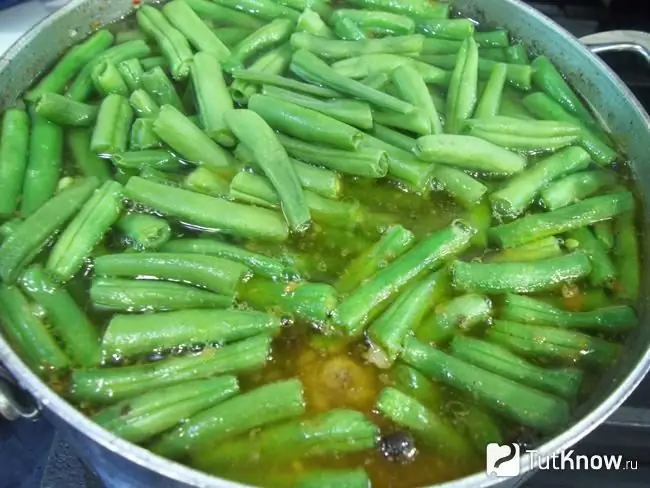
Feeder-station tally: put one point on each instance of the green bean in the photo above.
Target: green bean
(111, 131)
(512, 107)
(143, 104)
(411, 382)
(416, 122)
(8, 228)
(225, 16)
(490, 101)
(411, 87)
(229, 217)
(377, 23)
(368, 162)
(82, 86)
(258, 190)
(390, 136)
(453, 29)
(331, 433)
(527, 406)
(181, 16)
(462, 94)
(529, 277)
(458, 315)
(563, 382)
(548, 247)
(268, 79)
(79, 336)
(64, 111)
(129, 35)
(210, 272)
(433, 46)
(190, 142)
(212, 97)
(262, 406)
(313, 302)
(411, 8)
(276, 32)
(70, 64)
(133, 334)
(352, 112)
(143, 136)
(386, 334)
(517, 54)
(154, 62)
(544, 107)
(202, 180)
(479, 216)
(626, 257)
(575, 187)
(231, 36)
(341, 478)
(367, 301)
(586, 212)
(551, 343)
(294, 120)
(461, 186)
(151, 295)
(33, 233)
(515, 197)
(131, 72)
(14, 157)
(108, 385)
(152, 158)
(85, 231)
(519, 76)
(85, 161)
(603, 271)
(312, 23)
(44, 161)
(337, 49)
(144, 231)
(264, 9)
(107, 79)
(531, 135)
(604, 232)
(161, 89)
(497, 54)
(155, 412)
(312, 69)
(173, 44)
(274, 62)
(470, 153)
(494, 38)
(530, 311)
(27, 331)
(370, 64)
(260, 264)
(394, 242)
(348, 30)
(424, 423)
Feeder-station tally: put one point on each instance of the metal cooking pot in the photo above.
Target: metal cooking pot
(124, 464)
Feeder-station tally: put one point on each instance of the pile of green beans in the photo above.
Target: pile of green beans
(232, 176)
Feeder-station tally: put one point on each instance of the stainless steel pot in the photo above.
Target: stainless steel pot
(127, 465)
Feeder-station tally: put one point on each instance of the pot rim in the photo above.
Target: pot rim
(184, 474)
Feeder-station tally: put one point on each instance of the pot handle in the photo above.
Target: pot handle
(14, 401)
(619, 40)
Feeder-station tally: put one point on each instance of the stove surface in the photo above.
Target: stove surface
(33, 456)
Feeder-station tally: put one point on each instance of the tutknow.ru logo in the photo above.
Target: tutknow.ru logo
(504, 461)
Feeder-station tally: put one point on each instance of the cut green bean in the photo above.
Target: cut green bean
(64, 111)
(134, 334)
(264, 405)
(274, 62)
(312, 23)
(458, 315)
(153, 158)
(563, 382)
(225, 16)
(152, 62)
(576, 187)
(161, 89)
(340, 478)
(27, 331)
(264, 9)
(108, 385)
(470, 153)
(411, 87)
(586, 212)
(416, 122)
(548, 247)
(79, 337)
(531, 311)
(338, 49)
(108, 79)
(71, 63)
(515, 197)
(143, 136)
(262, 78)
(603, 271)
(231, 36)
(85, 231)
(453, 29)
(111, 133)
(143, 104)
(44, 162)
(529, 277)
(202, 180)
(462, 94)
(461, 186)
(490, 101)
(144, 231)
(232, 218)
(372, 64)
(538, 342)
(411, 8)
(33, 233)
(348, 30)
(152, 413)
(367, 301)
(494, 54)
(86, 161)
(131, 71)
(275, 32)
(396, 138)
(386, 334)
(518, 402)
(434, 46)
(517, 54)
(626, 257)
(14, 157)
(604, 232)
(172, 42)
(377, 23)
(210, 272)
